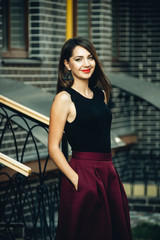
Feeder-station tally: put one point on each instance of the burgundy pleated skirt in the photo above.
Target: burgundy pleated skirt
(98, 210)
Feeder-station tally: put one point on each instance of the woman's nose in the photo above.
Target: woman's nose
(86, 62)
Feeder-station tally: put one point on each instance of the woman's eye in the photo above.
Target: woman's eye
(78, 59)
(91, 57)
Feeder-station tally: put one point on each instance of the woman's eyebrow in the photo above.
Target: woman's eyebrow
(78, 56)
(83, 56)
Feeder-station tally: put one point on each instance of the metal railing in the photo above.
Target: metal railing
(28, 205)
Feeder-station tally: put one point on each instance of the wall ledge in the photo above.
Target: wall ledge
(22, 61)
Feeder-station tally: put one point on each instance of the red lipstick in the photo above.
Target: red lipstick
(86, 70)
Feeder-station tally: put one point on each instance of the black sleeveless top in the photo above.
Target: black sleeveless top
(90, 131)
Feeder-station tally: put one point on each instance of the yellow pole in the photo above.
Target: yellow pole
(69, 20)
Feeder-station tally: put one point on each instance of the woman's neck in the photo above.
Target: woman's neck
(82, 87)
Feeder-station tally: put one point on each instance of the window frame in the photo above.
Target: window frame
(115, 58)
(16, 52)
(75, 5)
(75, 18)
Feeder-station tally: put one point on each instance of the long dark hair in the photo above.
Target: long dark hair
(98, 77)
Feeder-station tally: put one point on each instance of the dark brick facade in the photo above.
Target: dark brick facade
(47, 33)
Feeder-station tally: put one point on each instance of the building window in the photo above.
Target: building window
(115, 30)
(15, 28)
(82, 18)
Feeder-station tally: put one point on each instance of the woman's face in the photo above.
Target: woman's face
(81, 64)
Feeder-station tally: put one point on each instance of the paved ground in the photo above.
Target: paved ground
(139, 217)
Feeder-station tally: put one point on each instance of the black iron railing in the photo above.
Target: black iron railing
(28, 205)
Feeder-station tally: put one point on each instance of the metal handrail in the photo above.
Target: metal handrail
(25, 110)
(15, 165)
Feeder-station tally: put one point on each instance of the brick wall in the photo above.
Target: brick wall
(138, 55)
(101, 30)
(145, 21)
(46, 35)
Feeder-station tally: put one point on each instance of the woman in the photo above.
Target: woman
(93, 204)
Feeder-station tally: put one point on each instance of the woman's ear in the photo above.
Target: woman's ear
(66, 63)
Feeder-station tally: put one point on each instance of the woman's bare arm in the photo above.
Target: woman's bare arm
(58, 115)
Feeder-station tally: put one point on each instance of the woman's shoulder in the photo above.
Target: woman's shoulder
(62, 100)
(62, 96)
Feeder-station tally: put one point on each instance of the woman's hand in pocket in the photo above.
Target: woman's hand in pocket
(75, 181)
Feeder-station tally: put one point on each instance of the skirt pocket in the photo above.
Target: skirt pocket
(71, 184)
(72, 163)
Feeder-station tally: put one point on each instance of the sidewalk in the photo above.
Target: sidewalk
(139, 217)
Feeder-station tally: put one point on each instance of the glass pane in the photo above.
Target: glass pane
(115, 28)
(17, 23)
(5, 25)
(83, 18)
